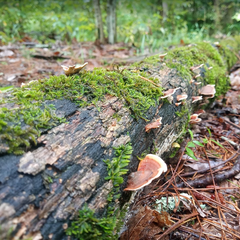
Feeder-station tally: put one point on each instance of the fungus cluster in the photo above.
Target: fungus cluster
(150, 168)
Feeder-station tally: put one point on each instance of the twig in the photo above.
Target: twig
(205, 170)
(219, 177)
(231, 123)
(211, 200)
(216, 194)
(146, 79)
(216, 225)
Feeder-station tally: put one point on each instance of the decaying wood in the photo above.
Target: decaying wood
(42, 190)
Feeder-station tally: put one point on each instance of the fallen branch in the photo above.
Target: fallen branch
(219, 177)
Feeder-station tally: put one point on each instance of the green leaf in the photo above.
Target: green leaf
(205, 140)
(191, 144)
(209, 131)
(190, 153)
(219, 144)
(191, 133)
(198, 143)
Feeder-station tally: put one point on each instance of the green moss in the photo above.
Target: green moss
(84, 89)
(87, 226)
(183, 58)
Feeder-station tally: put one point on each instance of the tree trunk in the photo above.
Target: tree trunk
(98, 20)
(111, 21)
(165, 11)
(42, 190)
(217, 15)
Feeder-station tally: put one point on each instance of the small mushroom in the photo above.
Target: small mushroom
(149, 168)
(152, 125)
(208, 90)
(181, 97)
(169, 92)
(198, 75)
(193, 68)
(217, 44)
(199, 112)
(197, 83)
(73, 69)
(192, 81)
(178, 103)
(194, 119)
(162, 56)
(196, 98)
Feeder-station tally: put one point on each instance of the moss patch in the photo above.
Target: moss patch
(19, 125)
(183, 58)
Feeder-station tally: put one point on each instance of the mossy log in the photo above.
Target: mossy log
(60, 166)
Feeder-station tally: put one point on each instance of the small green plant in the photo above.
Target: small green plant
(209, 140)
(192, 144)
(87, 226)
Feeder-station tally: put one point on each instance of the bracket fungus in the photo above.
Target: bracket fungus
(195, 119)
(193, 68)
(169, 92)
(208, 90)
(149, 168)
(181, 97)
(152, 125)
(196, 76)
(73, 69)
(196, 98)
(199, 112)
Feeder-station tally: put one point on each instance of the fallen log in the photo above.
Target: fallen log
(66, 141)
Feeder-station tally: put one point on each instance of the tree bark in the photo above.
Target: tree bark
(111, 21)
(98, 20)
(42, 190)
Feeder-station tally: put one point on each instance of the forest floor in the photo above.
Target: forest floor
(201, 198)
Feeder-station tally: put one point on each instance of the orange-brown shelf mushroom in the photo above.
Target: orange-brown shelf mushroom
(149, 168)
(152, 125)
(193, 68)
(199, 112)
(169, 92)
(208, 90)
(195, 119)
(181, 97)
(196, 98)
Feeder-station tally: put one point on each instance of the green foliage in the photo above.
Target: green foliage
(152, 30)
(116, 166)
(87, 226)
